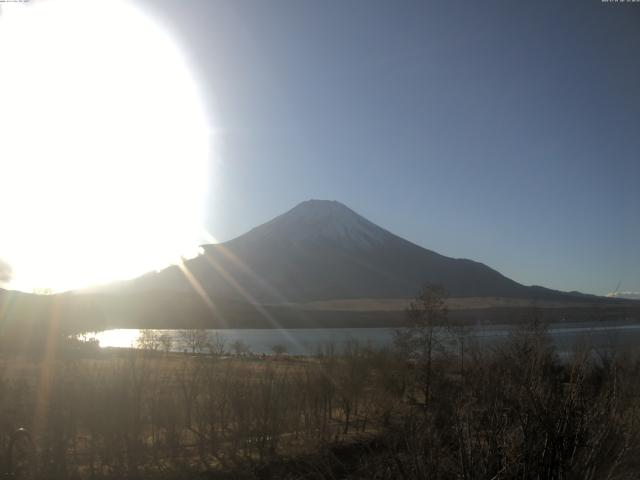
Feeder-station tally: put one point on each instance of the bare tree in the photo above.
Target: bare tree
(148, 340)
(460, 332)
(240, 347)
(418, 341)
(166, 342)
(217, 345)
(279, 349)
(194, 340)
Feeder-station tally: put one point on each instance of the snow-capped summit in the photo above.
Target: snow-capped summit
(324, 250)
(322, 221)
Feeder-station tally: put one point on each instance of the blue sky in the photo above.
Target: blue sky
(505, 132)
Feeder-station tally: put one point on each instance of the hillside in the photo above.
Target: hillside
(322, 250)
(318, 265)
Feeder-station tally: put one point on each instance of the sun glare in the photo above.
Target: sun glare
(103, 144)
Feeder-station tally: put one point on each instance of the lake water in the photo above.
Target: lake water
(307, 341)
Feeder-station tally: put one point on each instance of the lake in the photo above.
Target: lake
(307, 341)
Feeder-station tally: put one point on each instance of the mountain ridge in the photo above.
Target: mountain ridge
(318, 265)
(323, 250)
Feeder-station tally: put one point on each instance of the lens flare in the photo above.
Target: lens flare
(104, 145)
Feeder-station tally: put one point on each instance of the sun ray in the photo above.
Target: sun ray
(202, 293)
(246, 269)
(243, 292)
(47, 366)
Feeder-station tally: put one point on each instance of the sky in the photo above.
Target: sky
(504, 132)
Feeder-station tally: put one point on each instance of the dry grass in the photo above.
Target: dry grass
(514, 412)
(454, 303)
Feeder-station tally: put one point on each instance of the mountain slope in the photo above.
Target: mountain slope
(318, 265)
(322, 250)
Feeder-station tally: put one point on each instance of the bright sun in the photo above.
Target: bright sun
(103, 144)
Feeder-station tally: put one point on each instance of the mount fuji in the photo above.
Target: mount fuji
(322, 250)
(322, 265)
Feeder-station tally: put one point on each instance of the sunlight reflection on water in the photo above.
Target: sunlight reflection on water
(307, 341)
(121, 338)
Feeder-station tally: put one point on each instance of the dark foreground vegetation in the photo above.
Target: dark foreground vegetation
(427, 408)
